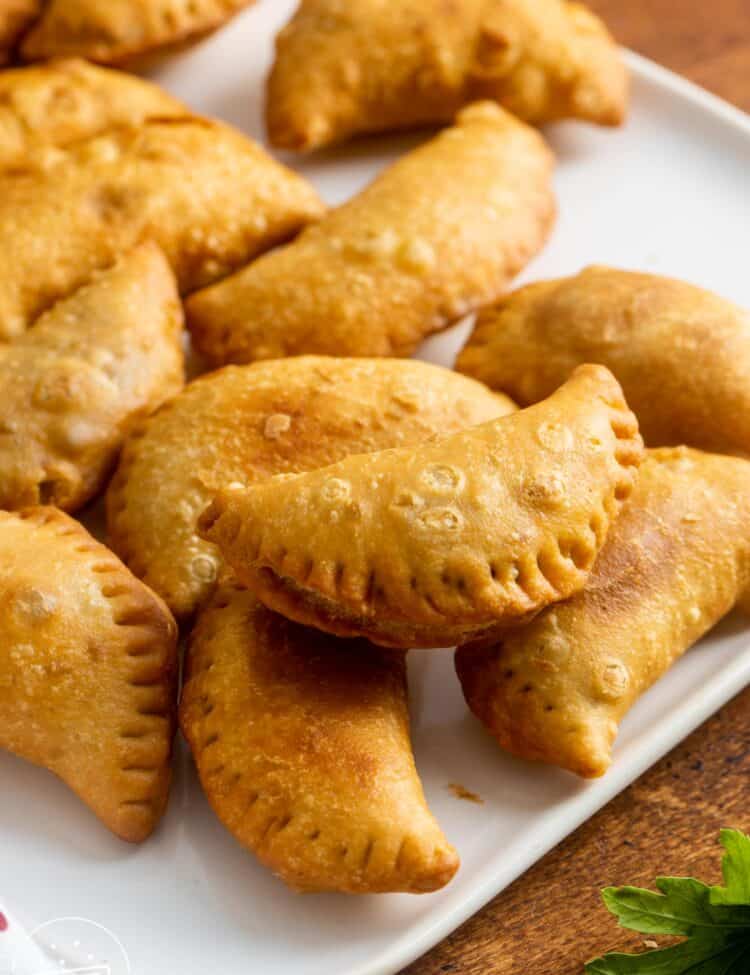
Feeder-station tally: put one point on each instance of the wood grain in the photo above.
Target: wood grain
(551, 920)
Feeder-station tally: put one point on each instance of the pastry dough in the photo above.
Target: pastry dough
(61, 102)
(437, 544)
(682, 354)
(211, 198)
(350, 66)
(113, 31)
(15, 17)
(246, 423)
(73, 386)
(302, 746)
(439, 233)
(87, 669)
(676, 561)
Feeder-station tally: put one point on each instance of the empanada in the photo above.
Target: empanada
(58, 103)
(113, 31)
(682, 354)
(302, 745)
(87, 669)
(344, 68)
(245, 424)
(451, 540)
(209, 197)
(439, 233)
(15, 17)
(74, 385)
(676, 561)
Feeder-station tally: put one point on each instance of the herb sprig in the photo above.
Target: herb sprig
(715, 921)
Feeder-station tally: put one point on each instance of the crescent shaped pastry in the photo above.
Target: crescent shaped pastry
(15, 17)
(87, 669)
(209, 197)
(373, 66)
(438, 544)
(114, 31)
(302, 746)
(676, 561)
(437, 234)
(681, 354)
(246, 423)
(73, 386)
(61, 102)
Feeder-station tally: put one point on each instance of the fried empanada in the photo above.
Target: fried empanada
(682, 354)
(441, 543)
(676, 561)
(439, 233)
(87, 669)
(114, 31)
(302, 745)
(74, 385)
(64, 101)
(245, 424)
(209, 197)
(373, 66)
(15, 17)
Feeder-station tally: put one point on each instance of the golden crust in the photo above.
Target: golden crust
(439, 233)
(302, 746)
(249, 422)
(73, 386)
(117, 31)
(87, 669)
(209, 197)
(442, 543)
(344, 68)
(681, 354)
(677, 560)
(61, 102)
(15, 17)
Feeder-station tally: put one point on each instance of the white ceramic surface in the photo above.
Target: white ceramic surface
(669, 192)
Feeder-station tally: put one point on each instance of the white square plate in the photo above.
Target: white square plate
(669, 192)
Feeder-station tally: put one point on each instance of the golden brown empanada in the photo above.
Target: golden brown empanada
(245, 424)
(436, 235)
(682, 354)
(302, 745)
(376, 65)
(211, 198)
(73, 386)
(58, 103)
(675, 562)
(453, 539)
(112, 31)
(87, 669)
(15, 17)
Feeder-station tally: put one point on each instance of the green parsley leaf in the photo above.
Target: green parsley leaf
(735, 868)
(682, 907)
(714, 920)
(711, 955)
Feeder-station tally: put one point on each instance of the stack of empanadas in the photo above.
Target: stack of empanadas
(321, 505)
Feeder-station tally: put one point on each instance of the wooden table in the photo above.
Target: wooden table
(551, 920)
